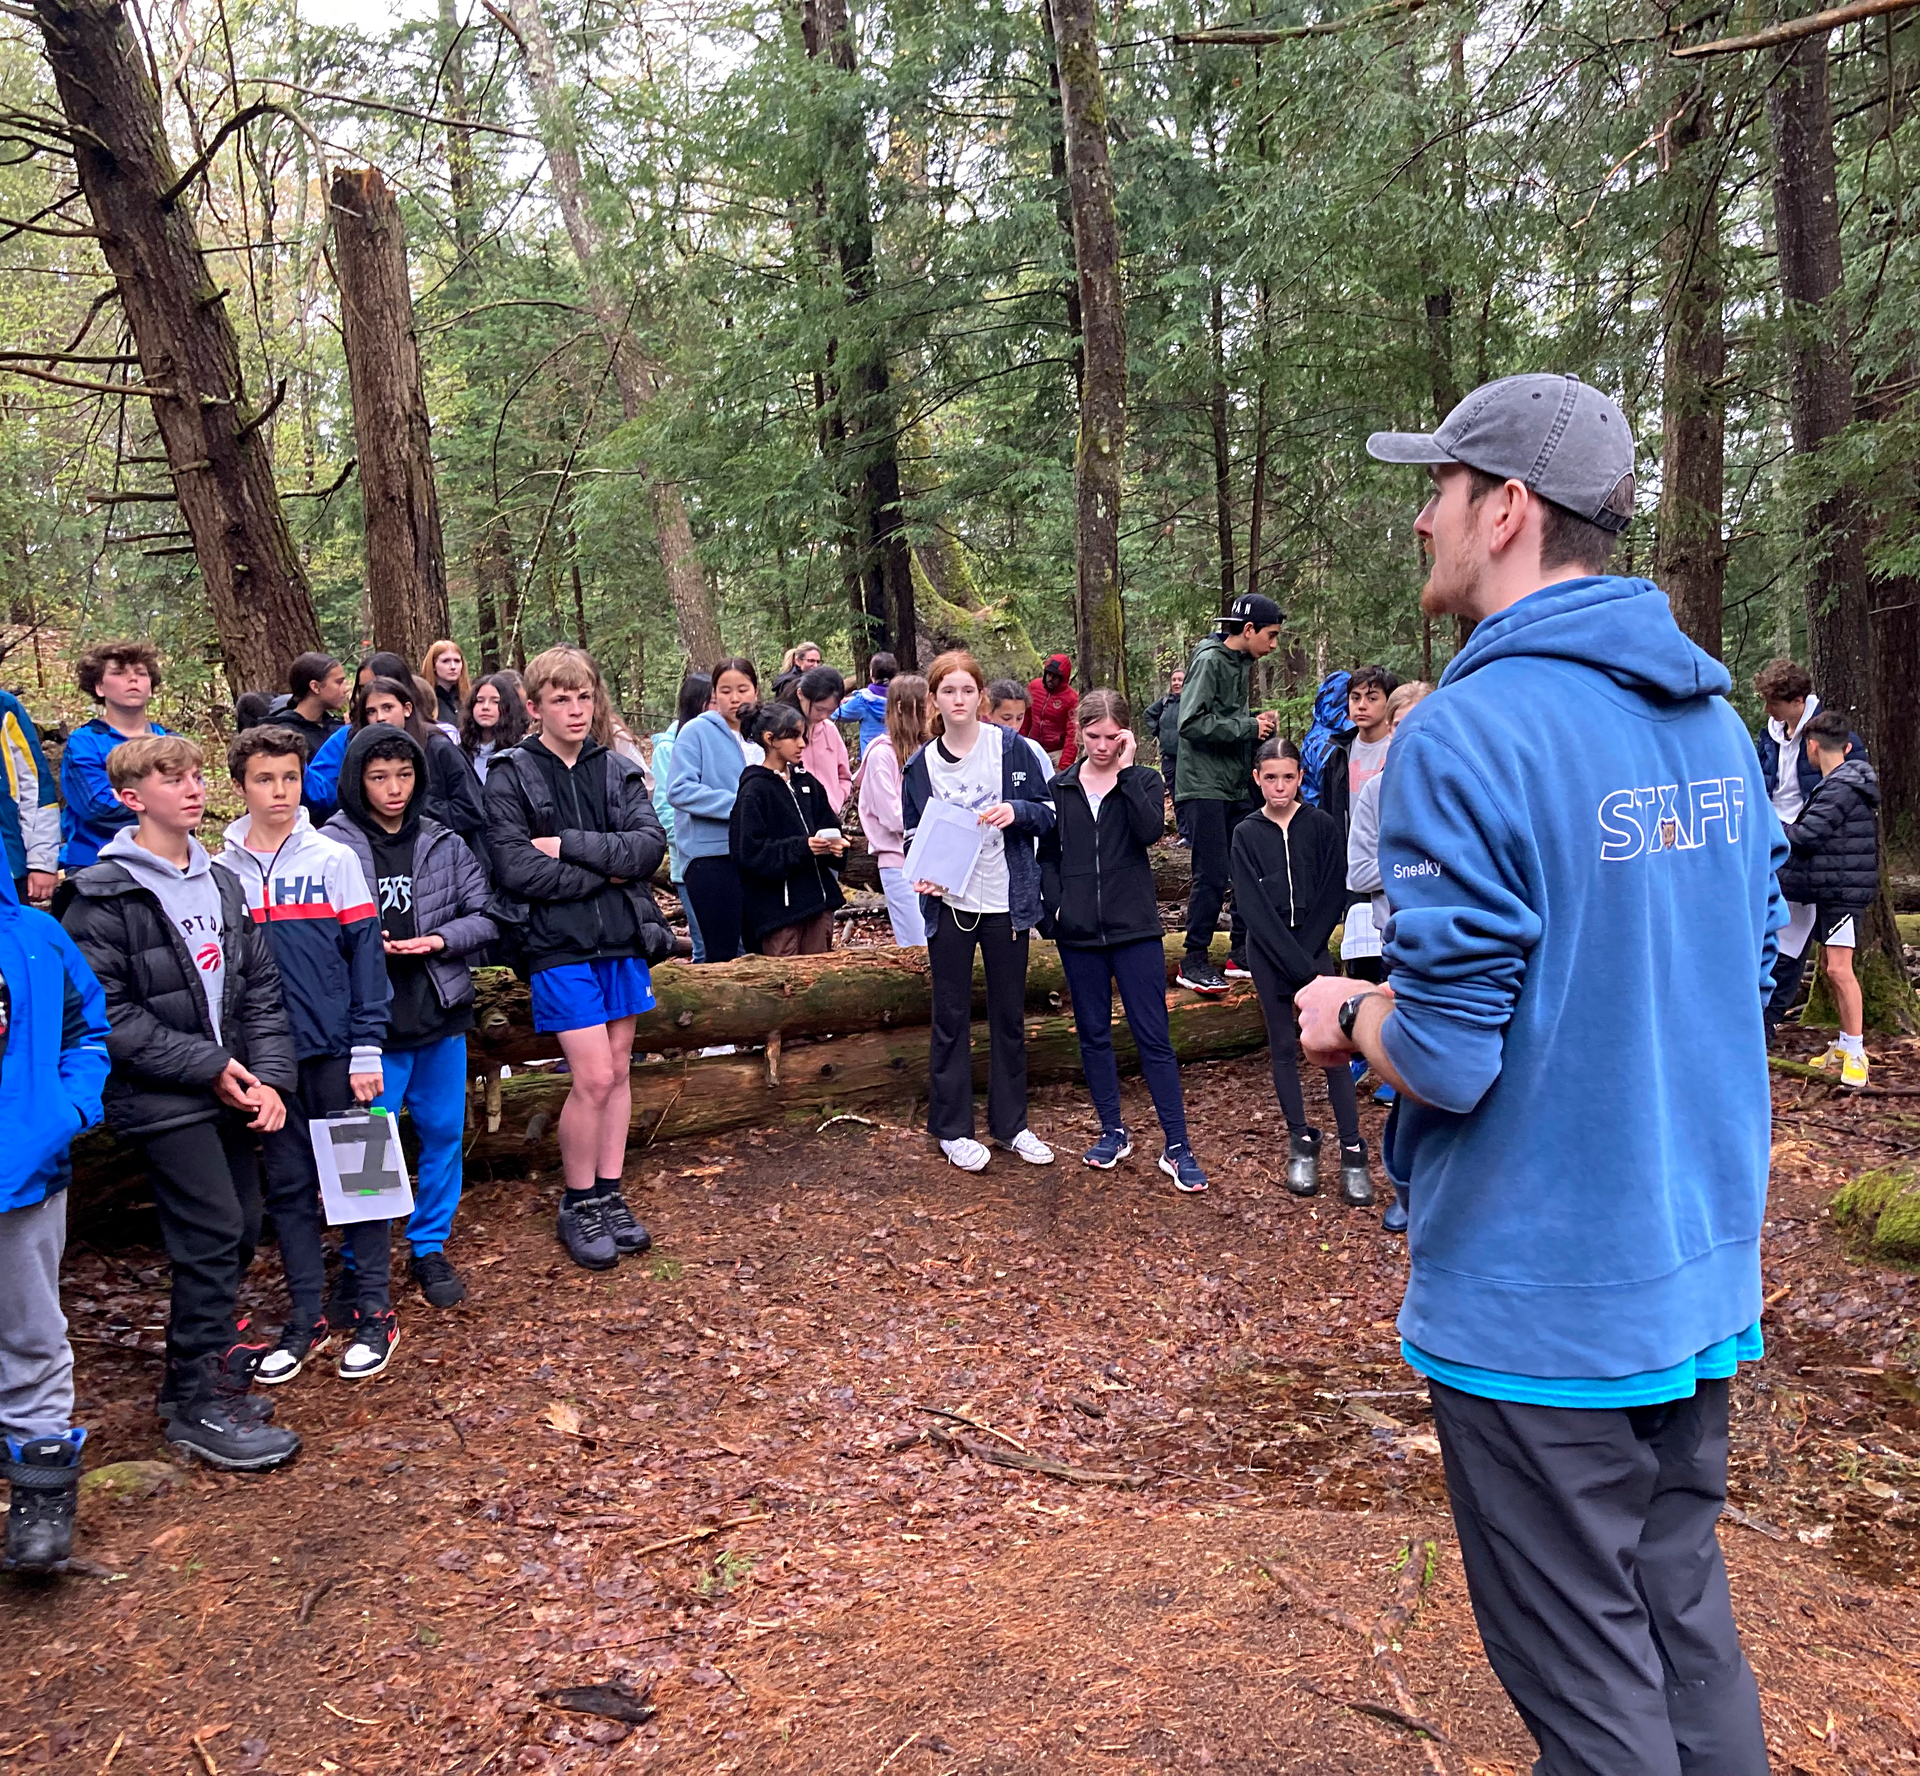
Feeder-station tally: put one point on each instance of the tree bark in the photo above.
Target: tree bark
(406, 561)
(1062, 201)
(1807, 226)
(1692, 559)
(673, 531)
(1222, 445)
(221, 463)
(1099, 622)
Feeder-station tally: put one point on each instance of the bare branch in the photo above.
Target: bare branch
(204, 159)
(492, 129)
(265, 414)
(150, 390)
(60, 357)
(1814, 25)
(320, 493)
(1325, 28)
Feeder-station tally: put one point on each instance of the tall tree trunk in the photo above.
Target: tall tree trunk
(493, 591)
(406, 564)
(1807, 226)
(673, 532)
(1062, 200)
(463, 202)
(1692, 559)
(221, 465)
(1222, 446)
(869, 416)
(1099, 622)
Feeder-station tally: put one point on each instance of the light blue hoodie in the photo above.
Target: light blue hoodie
(703, 778)
(1579, 851)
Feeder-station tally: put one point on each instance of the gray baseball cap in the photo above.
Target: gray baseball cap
(1559, 437)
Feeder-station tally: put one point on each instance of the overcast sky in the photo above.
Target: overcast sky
(374, 17)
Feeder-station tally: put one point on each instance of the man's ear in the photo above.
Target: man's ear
(130, 798)
(1504, 512)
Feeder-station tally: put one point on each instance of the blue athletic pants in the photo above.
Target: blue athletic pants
(432, 1083)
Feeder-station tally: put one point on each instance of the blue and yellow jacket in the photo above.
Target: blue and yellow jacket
(29, 799)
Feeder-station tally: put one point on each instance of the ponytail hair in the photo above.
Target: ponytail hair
(773, 720)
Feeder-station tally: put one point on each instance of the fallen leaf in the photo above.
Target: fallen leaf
(564, 1418)
(1879, 1488)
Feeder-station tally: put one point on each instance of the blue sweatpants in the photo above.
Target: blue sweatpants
(1139, 970)
(432, 1083)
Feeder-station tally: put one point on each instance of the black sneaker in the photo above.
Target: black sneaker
(1199, 975)
(221, 1432)
(629, 1235)
(438, 1280)
(1237, 969)
(45, 1475)
(584, 1232)
(289, 1356)
(371, 1348)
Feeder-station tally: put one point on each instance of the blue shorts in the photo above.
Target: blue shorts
(578, 995)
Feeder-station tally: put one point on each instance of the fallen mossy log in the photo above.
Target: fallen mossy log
(702, 1094)
(745, 1001)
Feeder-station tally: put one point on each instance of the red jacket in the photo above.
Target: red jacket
(1050, 719)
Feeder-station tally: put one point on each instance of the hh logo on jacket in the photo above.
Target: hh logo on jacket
(1670, 817)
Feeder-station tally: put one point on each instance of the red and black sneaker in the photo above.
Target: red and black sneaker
(289, 1356)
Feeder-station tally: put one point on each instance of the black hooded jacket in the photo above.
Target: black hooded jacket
(1096, 879)
(1835, 860)
(782, 881)
(591, 902)
(1290, 885)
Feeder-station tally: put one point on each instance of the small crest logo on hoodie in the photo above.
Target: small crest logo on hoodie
(1651, 818)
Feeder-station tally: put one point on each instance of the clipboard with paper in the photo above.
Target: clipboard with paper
(945, 847)
(363, 1172)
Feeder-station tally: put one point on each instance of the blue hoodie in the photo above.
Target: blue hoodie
(56, 1053)
(703, 779)
(93, 813)
(869, 709)
(1576, 841)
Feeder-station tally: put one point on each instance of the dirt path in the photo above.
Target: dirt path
(480, 1526)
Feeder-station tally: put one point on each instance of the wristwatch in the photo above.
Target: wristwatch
(1351, 1010)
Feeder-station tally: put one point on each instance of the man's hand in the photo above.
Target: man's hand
(548, 848)
(414, 946)
(236, 1087)
(40, 886)
(272, 1113)
(1318, 1003)
(1000, 815)
(1267, 721)
(366, 1087)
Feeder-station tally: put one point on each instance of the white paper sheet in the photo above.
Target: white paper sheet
(946, 846)
(363, 1172)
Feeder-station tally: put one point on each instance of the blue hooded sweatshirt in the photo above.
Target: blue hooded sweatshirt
(56, 1051)
(703, 779)
(1576, 841)
(93, 813)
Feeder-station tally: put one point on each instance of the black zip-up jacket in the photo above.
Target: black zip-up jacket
(570, 908)
(1835, 860)
(453, 794)
(1291, 888)
(781, 881)
(1096, 879)
(165, 1058)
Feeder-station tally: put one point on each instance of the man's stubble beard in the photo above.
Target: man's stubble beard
(1452, 594)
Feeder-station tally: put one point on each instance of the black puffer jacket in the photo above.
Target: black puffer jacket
(1835, 860)
(781, 881)
(1096, 880)
(569, 908)
(165, 1058)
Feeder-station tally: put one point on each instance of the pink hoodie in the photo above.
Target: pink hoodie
(880, 817)
(825, 756)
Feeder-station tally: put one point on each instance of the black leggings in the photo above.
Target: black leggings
(713, 886)
(1276, 1006)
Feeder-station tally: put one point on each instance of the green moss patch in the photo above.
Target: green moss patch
(1881, 1211)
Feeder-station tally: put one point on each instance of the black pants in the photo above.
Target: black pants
(1588, 1540)
(206, 1188)
(713, 886)
(293, 1199)
(1788, 973)
(1283, 1051)
(950, 945)
(1208, 830)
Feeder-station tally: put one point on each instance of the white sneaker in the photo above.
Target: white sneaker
(1031, 1148)
(968, 1154)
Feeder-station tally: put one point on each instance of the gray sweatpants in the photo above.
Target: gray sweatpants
(36, 1361)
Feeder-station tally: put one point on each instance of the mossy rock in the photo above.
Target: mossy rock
(1881, 1211)
(120, 1481)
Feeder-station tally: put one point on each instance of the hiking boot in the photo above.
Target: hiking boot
(372, 1347)
(1356, 1183)
(1198, 975)
(289, 1356)
(45, 1474)
(1180, 1165)
(967, 1153)
(629, 1235)
(234, 1370)
(1303, 1163)
(1030, 1148)
(210, 1423)
(584, 1232)
(1107, 1152)
(439, 1282)
(1395, 1219)
(1237, 969)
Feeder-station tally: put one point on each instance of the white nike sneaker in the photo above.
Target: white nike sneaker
(1031, 1148)
(968, 1154)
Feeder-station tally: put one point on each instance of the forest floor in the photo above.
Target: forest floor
(705, 1476)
